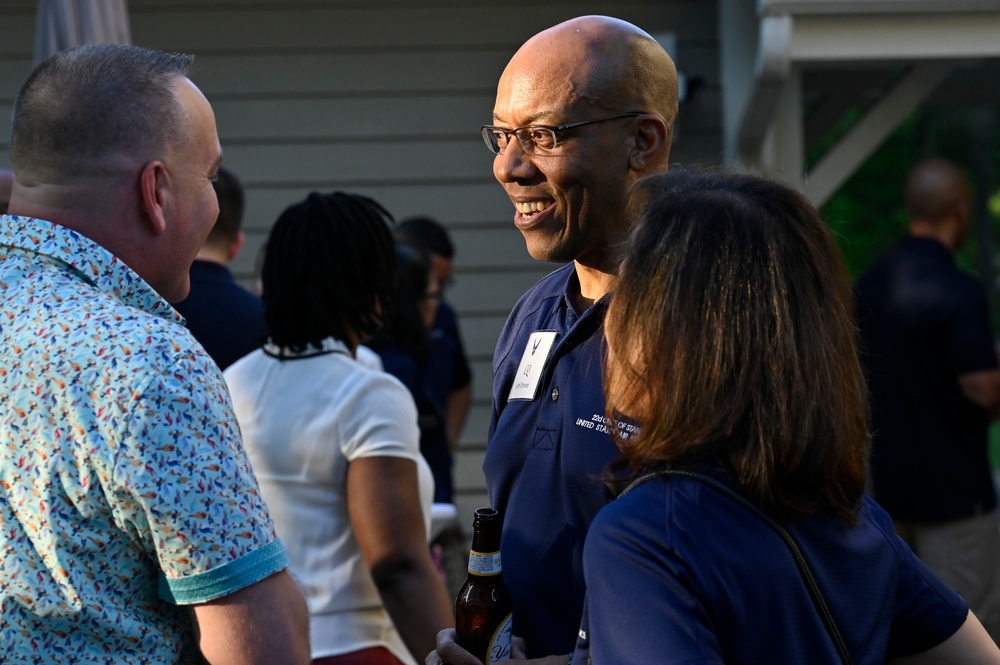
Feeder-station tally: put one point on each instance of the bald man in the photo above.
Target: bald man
(935, 386)
(6, 185)
(583, 110)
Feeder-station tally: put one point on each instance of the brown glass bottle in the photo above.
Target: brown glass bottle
(483, 606)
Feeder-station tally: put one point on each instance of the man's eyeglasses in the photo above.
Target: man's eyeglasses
(534, 138)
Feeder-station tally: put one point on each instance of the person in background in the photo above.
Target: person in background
(404, 347)
(6, 185)
(935, 384)
(132, 529)
(731, 340)
(583, 110)
(448, 377)
(227, 319)
(335, 444)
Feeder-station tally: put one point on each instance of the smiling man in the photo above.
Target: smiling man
(583, 110)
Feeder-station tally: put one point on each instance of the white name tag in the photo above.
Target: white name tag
(536, 353)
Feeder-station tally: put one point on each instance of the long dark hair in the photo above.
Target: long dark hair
(329, 270)
(732, 341)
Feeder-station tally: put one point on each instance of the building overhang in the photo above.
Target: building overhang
(917, 43)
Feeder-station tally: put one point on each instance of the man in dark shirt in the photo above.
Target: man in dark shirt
(932, 370)
(448, 377)
(224, 317)
(583, 110)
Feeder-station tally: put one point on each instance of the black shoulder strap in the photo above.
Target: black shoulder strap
(800, 560)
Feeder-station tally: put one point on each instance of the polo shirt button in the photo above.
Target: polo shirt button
(555, 394)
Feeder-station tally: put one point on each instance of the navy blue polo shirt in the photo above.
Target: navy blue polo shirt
(448, 367)
(224, 317)
(924, 323)
(678, 572)
(545, 458)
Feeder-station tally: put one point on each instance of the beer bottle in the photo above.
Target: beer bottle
(483, 606)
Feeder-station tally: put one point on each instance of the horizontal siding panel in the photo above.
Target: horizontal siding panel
(468, 469)
(480, 334)
(371, 25)
(452, 116)
(461, 205)
(482, 378)
(13, 73)
(257, 75)
(492, 248)
(467, 501)
(18, 23)
(495, 293)
(457, 205)
(353, 164)
(476, 426)
(411, 115)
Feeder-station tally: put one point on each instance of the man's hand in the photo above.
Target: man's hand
(449, 653)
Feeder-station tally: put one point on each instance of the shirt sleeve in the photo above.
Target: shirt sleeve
(381, 420)
(927, 611)
(969, 336)
(185, 487)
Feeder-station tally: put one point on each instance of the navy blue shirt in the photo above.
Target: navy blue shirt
(448, 367)
(678, 572)
(224, 317)
(545, 458)
(430, 415)
(923, 324)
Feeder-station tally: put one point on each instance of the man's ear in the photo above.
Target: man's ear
(154, 183)
(234, 249)
(652, 143)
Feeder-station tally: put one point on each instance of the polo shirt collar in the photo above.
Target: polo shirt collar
(92, 262)
(571, 285)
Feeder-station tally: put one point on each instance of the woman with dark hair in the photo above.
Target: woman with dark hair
(731, 340)
(334, 444)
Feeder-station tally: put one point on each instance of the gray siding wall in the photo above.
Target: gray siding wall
(385, 98)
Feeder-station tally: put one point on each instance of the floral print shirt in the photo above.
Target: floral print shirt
(124, 488)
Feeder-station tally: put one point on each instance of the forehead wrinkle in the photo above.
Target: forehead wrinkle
(540, 93)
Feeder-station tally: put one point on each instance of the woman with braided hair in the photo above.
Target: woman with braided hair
(335, 444)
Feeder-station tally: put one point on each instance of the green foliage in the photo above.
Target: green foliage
(866, 215)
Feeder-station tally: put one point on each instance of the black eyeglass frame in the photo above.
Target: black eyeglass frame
(490, 131)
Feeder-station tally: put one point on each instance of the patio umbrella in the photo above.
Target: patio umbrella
(63, 24)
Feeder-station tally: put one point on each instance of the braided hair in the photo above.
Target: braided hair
(329, 270)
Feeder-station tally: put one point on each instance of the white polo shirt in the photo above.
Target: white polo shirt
(304, 418)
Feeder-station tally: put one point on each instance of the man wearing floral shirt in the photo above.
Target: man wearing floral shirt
(131, 526)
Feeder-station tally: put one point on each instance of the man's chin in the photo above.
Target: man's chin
(179, 293)
(548, 252)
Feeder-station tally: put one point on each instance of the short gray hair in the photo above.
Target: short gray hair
(86, 109)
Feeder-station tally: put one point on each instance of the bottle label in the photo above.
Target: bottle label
(500, 642)
(484, 564)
